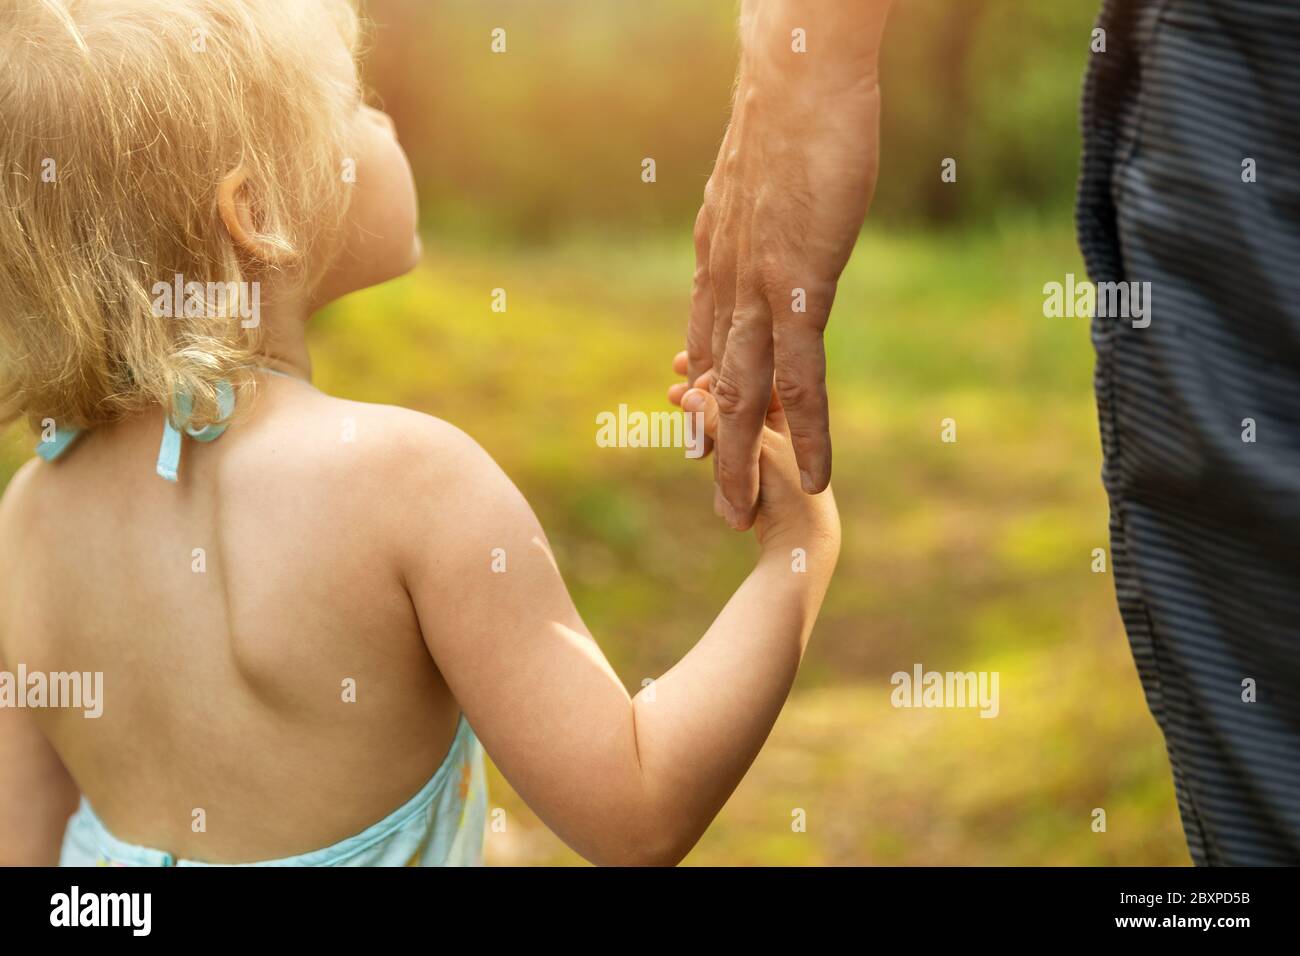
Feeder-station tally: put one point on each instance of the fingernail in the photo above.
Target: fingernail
(693, 401)
(806, 480)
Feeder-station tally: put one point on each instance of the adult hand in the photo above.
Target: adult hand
(781, 213)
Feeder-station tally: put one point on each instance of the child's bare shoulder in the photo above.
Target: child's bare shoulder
(393, 456)
(395, 445)
(432, 499)
(26, 506)
(17, 518)
(18, 487)
(14, 504)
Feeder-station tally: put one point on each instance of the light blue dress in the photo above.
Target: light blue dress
(442, 825)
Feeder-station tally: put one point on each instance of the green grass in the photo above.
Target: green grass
(973, 555)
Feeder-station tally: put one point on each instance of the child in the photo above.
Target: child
(299, 605)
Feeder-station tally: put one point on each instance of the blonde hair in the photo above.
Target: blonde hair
(119, 119)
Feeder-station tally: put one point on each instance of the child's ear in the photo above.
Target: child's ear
(233, 205)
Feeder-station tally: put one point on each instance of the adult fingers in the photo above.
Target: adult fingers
(799, 372)
(743, 390)
(699, 329)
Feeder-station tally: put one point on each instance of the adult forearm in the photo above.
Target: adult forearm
(818, 42)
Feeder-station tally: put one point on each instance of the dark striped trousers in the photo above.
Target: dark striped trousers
(1200, 411)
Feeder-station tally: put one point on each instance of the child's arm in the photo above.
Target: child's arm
(621, 780)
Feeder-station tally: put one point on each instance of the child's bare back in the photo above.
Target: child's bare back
(250, 617)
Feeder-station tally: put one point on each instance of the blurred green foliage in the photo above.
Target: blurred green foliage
(548, 138)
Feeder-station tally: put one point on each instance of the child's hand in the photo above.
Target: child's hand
(786, 515)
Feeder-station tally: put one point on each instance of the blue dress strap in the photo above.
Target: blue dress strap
(169, 453)
(56, 446)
